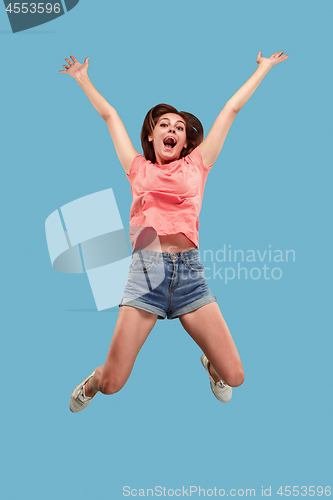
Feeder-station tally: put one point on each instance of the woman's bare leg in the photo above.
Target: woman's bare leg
(209, 330)
(131, 331)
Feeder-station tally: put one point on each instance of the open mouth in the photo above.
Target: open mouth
(169, 142)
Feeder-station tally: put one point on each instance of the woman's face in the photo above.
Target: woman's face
(168, 138)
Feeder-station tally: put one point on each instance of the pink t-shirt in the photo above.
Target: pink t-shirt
(167, 197)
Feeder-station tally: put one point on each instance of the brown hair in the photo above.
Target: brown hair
(194, 130)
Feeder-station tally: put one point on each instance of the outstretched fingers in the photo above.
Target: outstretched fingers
(277, 57)
(71, 63)
(73, 67)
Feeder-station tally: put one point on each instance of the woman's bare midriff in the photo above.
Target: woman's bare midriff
(171, 243)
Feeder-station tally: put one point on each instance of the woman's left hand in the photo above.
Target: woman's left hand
(271, 61)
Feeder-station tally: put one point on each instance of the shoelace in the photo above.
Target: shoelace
(81, 397)
(221, 384)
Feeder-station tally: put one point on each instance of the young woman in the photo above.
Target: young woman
(166, 276)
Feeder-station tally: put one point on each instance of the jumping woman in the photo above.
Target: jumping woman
(166, 277)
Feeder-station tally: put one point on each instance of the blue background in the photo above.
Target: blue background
(270, 186)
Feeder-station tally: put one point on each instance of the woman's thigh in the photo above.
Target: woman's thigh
(209, 330)
(131, 331)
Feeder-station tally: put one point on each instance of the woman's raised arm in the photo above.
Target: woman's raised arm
(124, 147)
(211, 147)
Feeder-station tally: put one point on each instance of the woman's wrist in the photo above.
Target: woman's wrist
(264, 66)
(82, 79)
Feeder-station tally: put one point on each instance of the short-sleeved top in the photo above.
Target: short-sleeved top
(167, 197)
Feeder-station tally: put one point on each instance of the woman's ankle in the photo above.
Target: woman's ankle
(89, 390)
(213, 373)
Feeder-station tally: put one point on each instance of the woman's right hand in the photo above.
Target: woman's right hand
(76, 69)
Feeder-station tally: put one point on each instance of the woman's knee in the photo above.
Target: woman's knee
(111, 385)
(235, 378)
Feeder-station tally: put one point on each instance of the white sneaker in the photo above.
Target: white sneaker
(221, 390)
(79, 401)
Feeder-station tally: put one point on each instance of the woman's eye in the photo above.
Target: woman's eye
(180, 128)
(163, 124)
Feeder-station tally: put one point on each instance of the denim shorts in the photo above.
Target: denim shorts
(166, 284)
